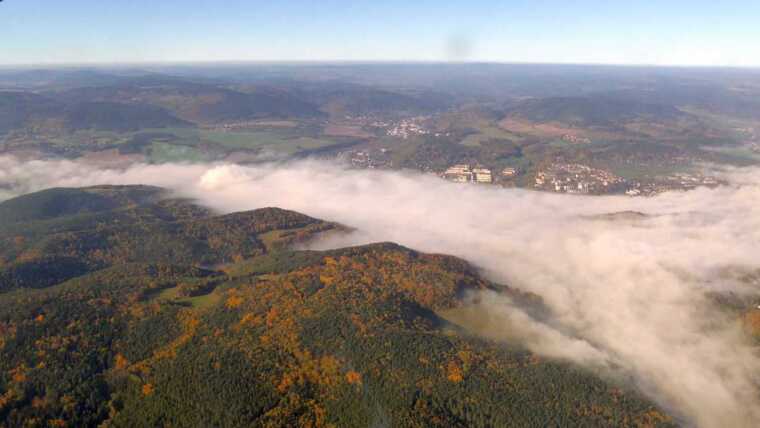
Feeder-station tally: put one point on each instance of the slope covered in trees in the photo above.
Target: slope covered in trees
(68, 232)
(274, 337)
(592, 111)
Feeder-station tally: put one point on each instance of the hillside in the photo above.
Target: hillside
(224, 325)
(111, 116)
(338, 98)
(26, 110)
(591, 111)
(148, 102)
(68, 232)
(62, 202)
(57, 78)
(17, 109)
(604, 118)
(199, 102)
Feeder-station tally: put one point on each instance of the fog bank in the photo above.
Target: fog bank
(627, 292)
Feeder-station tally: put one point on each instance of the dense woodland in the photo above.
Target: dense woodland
(126, 308)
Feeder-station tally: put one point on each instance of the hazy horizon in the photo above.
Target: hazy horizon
(352, 62)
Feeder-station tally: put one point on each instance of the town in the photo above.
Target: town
(407, 128)
(679, 181)
(577, 178)
(367, 158)
(555, 177)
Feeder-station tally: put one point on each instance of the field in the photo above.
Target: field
(486, 131)
(284, 141)
(180, 144)
(554, 130)
(166, 152)
(197, 302)
(736, 155)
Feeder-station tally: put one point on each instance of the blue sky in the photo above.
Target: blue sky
(696, 32)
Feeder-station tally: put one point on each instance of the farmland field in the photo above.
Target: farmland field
(284, 141)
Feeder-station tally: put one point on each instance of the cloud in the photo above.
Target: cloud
(626, 293)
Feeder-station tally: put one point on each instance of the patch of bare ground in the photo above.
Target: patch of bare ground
(111, 158)
(339, 130)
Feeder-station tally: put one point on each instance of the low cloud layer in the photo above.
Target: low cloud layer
(626, 292)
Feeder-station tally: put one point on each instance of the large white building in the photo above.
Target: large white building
(463, 173)
(509, 172)
(482, 175)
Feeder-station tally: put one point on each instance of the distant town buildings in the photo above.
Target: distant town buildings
(509, 172)
(458, 173)
(463, 173)
(407, 128)
(577, 178)
(482, 175)
(679, 181)
(367, 158)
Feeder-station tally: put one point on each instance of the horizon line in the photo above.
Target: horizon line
(296, 62)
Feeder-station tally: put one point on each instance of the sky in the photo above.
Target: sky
(664, 32)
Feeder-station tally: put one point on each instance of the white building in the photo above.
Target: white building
(459, 169)
(482, 175)
(509, 172)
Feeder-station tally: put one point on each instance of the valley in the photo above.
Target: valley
(180, 115)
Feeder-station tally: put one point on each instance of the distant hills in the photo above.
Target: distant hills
(342, 98)
(122, 306)
(592, 111)
(67, 78)
(641, 123)
(128, 103)
(112, 116)
(199, 102)
(144, 104)
(604, 117)
(20, 110)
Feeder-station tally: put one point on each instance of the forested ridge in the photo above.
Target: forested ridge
(58, 234)
(135, 309)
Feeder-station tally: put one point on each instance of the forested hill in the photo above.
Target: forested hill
(58, 234)
(133, 309)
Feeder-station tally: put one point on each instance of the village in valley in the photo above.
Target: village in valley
(577, 145)
(467, 150)
(557, 176)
